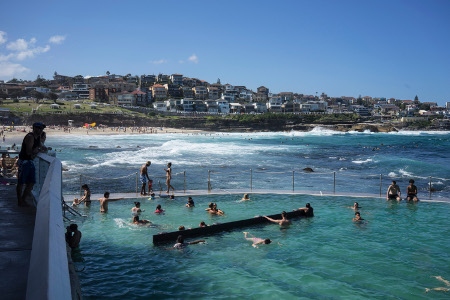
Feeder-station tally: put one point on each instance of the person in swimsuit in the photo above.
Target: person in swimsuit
(73, 236)
(169, 177)
(137, 208)
(284, 222)
(104, 202)
(411, 191)
(309, 211)
(138, 221)
(86, 198)
(393, 192)
(180, 244)
(190, 202)
(144, 177)
(245, 198)
(212, 209)
(355, 206)
(357, 217)
(158, 209)
(256, 241)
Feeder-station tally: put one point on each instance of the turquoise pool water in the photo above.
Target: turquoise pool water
(394, 255)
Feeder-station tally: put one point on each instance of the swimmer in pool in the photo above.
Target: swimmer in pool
(158, 209)
(441, 288)
(137, 208)
(138, 221)
(104, 202)
(355, 206)
(284, 222)
(357, 217)
(180, 244)
(190, 202)
(245, 198)
(256, 241)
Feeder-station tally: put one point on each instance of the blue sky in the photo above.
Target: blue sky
(376, 48)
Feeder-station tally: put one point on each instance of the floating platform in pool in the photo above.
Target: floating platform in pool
(170, 237)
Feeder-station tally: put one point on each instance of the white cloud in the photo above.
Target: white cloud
(193, 58)
(159, 62)
(57, 39)
(2, 37)
(30, 53)
(10, 70)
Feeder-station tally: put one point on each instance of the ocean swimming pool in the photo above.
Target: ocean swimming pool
(393, 255)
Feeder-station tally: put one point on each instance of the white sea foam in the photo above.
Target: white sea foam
(392, 174)
(362, 161)
(405, 173)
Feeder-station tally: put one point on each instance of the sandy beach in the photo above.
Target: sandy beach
(16, 134)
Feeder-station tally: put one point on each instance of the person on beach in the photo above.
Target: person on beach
(309, 211)
(411, 191)
(86, 198)
(357, 217)
(73, 236)
(138, 221)
(137, 208)
(256, 241)
(144, 177)
(104, 202)
(180, 244)
(169, 177)
(284, 222)
(190, 202)
(31, 146)
(158, 209)
(393, 192)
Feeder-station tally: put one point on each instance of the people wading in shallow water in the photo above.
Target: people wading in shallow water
(284, 222)
(169, 177)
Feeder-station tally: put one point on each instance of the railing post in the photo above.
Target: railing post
(429, 187)
(293, 180)
(137, 182)
(251, 179)
(209, 180)
(381, 182)
(81, 190)
(184, 181)
(334, 182)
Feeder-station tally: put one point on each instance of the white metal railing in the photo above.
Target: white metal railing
(48, 275)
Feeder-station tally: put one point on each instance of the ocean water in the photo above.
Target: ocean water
(394, 254)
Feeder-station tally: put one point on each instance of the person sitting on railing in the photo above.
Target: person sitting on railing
(411, 191)
(73, 236)
(393, 192)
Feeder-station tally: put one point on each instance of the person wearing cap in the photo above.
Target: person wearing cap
(31, 146)
(144, 177)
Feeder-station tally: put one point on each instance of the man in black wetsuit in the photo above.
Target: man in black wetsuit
(31, 146)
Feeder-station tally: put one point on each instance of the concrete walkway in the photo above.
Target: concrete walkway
(16, 238)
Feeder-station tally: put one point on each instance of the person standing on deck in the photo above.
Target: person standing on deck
(169, 177)
(31, 146)
(144, 177)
